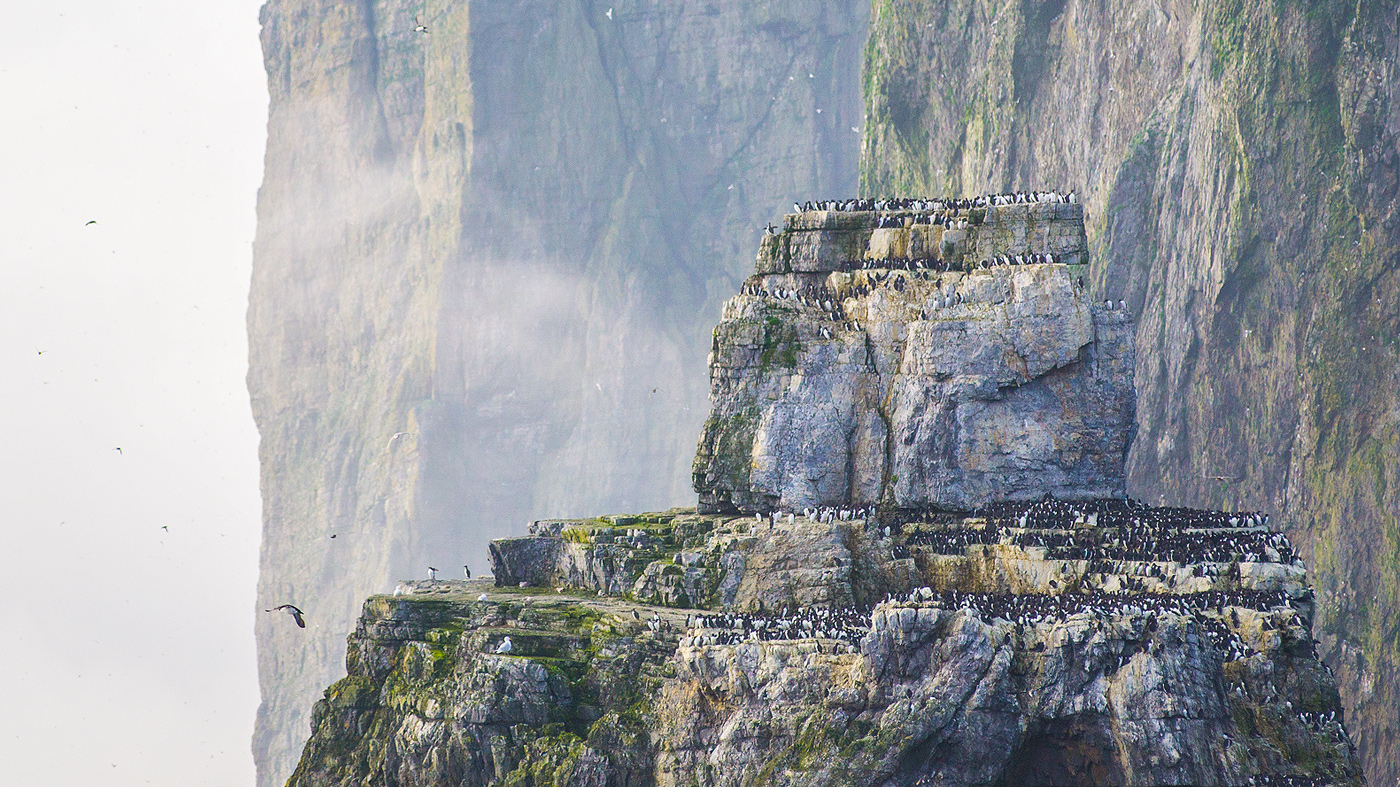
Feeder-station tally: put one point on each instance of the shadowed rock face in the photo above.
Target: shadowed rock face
(1240, 164)
(487, 262)
(917, 388)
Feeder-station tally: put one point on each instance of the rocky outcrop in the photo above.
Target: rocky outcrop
(1081, 640)
(487, 262)
(994, 663)
(1240, 164)
(845, 380)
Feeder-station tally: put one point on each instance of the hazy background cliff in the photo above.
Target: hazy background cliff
(1240, 166)
(488, 261)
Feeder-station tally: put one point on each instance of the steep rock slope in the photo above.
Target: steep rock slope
(486, 261)
(1239, 162)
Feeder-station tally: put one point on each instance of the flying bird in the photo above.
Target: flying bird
(290, 610)
(419, 27)
(90, 223)
(118, 449)
(609, 14)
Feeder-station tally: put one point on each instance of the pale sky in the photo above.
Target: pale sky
(126, 654)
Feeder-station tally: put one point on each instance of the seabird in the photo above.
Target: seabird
(419, 27)
(118, 449)
(609, 14)
(432, 572)
(90, 223)
(481, 597)
(506, 646)
(468, 570)
(290, 610)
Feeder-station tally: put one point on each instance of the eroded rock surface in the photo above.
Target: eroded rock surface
(917, 388)
(1044, 644)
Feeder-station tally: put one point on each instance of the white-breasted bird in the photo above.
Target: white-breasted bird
(290, 610)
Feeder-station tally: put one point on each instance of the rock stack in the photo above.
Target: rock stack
(913, 382)
(913, 564)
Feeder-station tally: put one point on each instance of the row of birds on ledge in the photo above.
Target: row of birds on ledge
(1048, 513)
(1107, 549)
(832, 303)
(851, 623)
(1128, 532)
(939, 265)
(938, 204)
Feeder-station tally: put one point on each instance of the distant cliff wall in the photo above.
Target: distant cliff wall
(488, 259)
(1241, 172)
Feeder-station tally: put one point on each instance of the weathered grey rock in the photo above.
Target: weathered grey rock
(948, 697)
(1018, 388)
(1186, 678)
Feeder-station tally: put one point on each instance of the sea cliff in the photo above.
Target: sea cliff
(1072, 637)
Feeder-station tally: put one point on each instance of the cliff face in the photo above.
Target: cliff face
(1089, 641)
(919, 386)
(487, 259)
(1239, 162)
(1001, 662)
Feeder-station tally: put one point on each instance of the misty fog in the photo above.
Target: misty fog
(128, 652)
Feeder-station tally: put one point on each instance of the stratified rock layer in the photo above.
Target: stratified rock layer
(917, 388)
(1024, 646)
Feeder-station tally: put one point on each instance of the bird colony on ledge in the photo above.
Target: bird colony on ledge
(913, 562)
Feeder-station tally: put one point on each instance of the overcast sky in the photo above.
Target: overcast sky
(126, 654)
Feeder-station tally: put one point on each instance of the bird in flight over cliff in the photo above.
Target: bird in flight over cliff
(290, 610)
(419, 27)
(90, 223)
